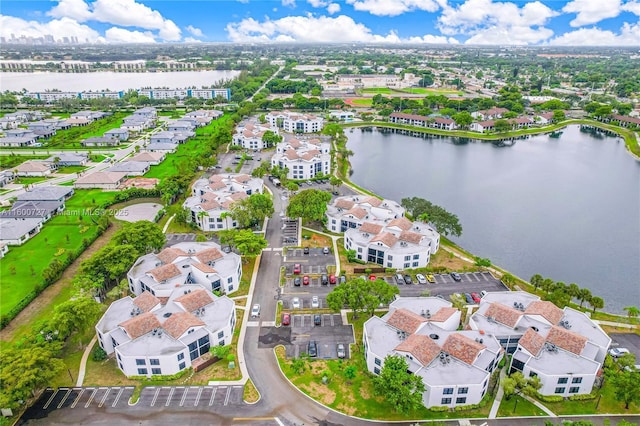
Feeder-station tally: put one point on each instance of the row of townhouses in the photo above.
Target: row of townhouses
(304, 158)
(49, 97)
(295, 122)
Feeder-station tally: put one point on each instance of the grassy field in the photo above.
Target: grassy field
(435, 92)
(10, 161)
(21, 268)
(518, 406)
(377, 90)
(360, 102)
(72, 137)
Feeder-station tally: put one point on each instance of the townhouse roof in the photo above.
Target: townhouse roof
(387, 238)
(443, 314)
(409, 116)
(204, 268)
(566, 339)
(405, 320)
(532, 341)
(101, 178)
(45, 193)
(487, 123)
(371, 228)
(503, 314)
(411, 237)
(343, 203)
(546, 309)
(146, 301)
(140, 325)
(423, 348)
(170, 254)
(196, 299)
(358, 212)
(179, 322)
(164, 272)
(33, 166)
(402, 223)
(462, 347)
(626, 118)
(372, 201)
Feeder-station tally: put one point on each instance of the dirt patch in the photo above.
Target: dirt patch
(43, 301)
(444, 258)
(320, 392)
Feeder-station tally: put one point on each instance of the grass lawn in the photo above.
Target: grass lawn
(71, 169)
(10, 161)
(376, 90)
(248, 265)
(250, 394)
(29, 180)
(314, 240)
(21, 268)
(361, 102)
(71, 138)
(436, 92)
(518, 406)
(607, 404)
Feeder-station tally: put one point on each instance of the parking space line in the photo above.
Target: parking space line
(93, 394)
(226, 398)
(170, 395)
(155, 397)
(117, 397)
(75, 401)
(195, 403)
(104, 398)
(50, 399)
(332, 320)
(64, 398)
(213, 395)
(184, 396)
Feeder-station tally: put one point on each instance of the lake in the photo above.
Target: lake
(567, 207)
(77, 82)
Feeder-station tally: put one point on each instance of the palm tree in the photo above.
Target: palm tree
(585, 294)
(536, 281)
(573, 290)
(597, 303)
(632, 311)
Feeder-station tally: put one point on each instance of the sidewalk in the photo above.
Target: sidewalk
(499, 394)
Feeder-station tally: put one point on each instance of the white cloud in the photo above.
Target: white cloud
(120, 35)
(395, 7)
(128, 13)
(191, 40)
(58, 28)
(333, 8)
(632, 6)
(194, 31)
(518, 36)
(290, 3)
(318, 3)
(591, 11)
(74, 9)
(629, 36)
(327, 29)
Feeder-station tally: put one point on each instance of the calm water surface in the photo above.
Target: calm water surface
(567, 208)
(40, 81)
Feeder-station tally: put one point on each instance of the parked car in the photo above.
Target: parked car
(255, 311)
(297, 281)
(431, 278)
(315, 302)
(468, 297)
(305, 250)
(342, 353)
(399, 279)
(295, 303)
(312, 349)
(324, 280)
(305, 280)
(618, 352)
(325, 250)
(407, 279)
(483, 293)
(421, 279)
(332, 279)
(286, 318)
(317, 319)
(475, 297)
(372, 277)
(456, 276)
(297, 268)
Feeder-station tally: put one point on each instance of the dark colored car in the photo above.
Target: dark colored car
(297, 268)
(468, 297)
(399, 279)
(312, 349)
(324, 280)
(305, 280)
(475, 297)
(407, 279)
(317, 320)
(456, 276)
(286, 319)
(305, 250)
(332, 279)
(297, 281)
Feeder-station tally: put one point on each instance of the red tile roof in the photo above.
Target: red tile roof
(547, 310)
(209, 255)
(411, 237)
(402, 223)
(371, 228)
(140, 325)
(462, 347)
(503, 314)
(168, 255)
(423, 348)
(146, 301)
(386, 238)
(567, 340)
(178, 323)
(344, 204)
(358, 212)
(532, 341)
(443, 314)
(405, 320)
(194, 300)
(164, 272)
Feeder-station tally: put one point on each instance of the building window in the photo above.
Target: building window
(119, 359)
(180, 357)
(559, 390)
(221, 335)
(182, 366)
(376, 370)
(229, 280)
(407, 258)
(562, 380)
(463, 391)
(447, 391)
(461, 400)
(415, 264)
(416, 256)
(407, 265)
(445, 401)
(140, 362)
(154, 361)
(221, 343)
(142, 371)
(390, 257)
(156, 371)
(574, 389)
(377, 361)
(576, 380)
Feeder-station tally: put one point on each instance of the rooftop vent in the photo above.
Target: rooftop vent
(167, 314)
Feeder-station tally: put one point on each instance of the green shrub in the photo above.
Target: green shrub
(439, 409)
(98, 354)
(582, 397)
(549, 398)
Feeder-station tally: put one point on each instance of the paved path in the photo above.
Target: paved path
(539, 405)
(83, 362)
(499, 394)
(166, 225)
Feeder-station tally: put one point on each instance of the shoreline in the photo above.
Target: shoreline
(452, 247)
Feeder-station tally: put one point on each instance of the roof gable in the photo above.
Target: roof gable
(547, 310)
(423, 348)
(194, 300)
(503, 314)
(146, 301)
(532, 341)
(140, 325)
(179, 322)
(462, 347)
(405, 320)
(567, 340)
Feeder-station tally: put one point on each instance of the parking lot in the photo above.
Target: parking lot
(290, 232)
(191, 396)
(627, 340)
(179, 238)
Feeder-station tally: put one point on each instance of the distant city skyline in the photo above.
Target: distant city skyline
(476, 22)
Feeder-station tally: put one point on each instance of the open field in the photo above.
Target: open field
(359, 102)
(435, 92)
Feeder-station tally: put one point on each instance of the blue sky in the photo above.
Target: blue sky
(483, 22)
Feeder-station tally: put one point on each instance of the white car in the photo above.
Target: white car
(618, 352)
(255, 311)
(295, 303)
(421, 279)
(315, 302)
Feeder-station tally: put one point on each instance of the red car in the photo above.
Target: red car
(297, 268)
(372, 277)
(286, 319)
(475, 297)
(305, 280)
(332, 279)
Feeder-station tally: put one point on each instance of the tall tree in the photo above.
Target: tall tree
(584, 294)
(596, 303)
(625, 386)
(77, 314)
(632, 311)
(252, 210)
(400, 388)
(446, 223)
(310, 204)
(143, 235)
(248, 243)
